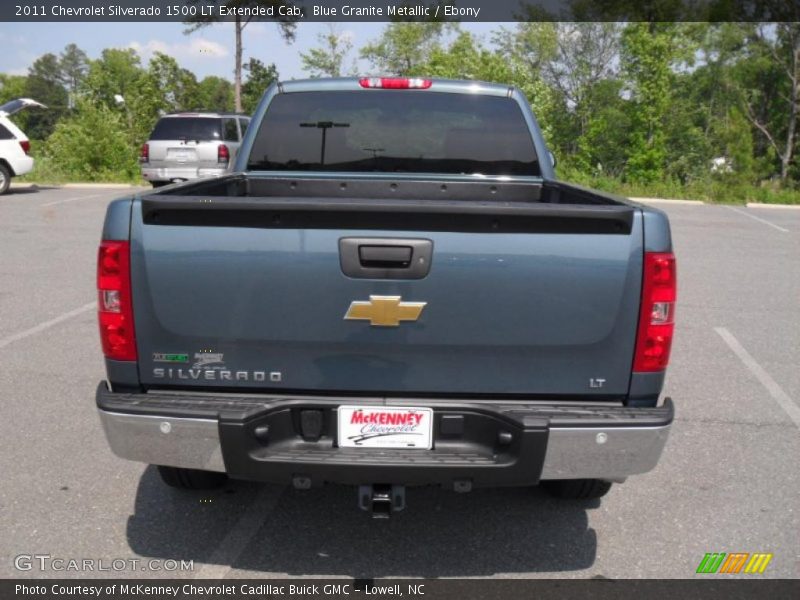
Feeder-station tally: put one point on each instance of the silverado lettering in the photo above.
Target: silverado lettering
(209, 374)
(439, 307)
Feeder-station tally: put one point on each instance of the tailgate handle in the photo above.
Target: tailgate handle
(385, 257)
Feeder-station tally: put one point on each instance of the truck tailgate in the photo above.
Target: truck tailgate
(242, 297)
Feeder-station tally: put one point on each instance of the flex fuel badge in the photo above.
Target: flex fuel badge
(169, 357)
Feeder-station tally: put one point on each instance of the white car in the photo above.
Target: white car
(14, 144)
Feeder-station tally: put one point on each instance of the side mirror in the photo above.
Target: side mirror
(552, 158)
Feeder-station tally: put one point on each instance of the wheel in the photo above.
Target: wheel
(191, 479)
(5, 179)
(577, 489)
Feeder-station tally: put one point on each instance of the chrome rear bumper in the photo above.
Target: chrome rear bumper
(610, 450)
(173, 173)
(188, 443)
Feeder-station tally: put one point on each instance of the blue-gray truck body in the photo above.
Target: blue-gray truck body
(246, 292)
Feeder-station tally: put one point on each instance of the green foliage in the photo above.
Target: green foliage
(465, 59)
(91, 145)
(214, 93)
(327, 60)
(603, 146)
(403, 47)
(73, 64)
(647, 58)
(44, 84)
(176, 87)
(116, 73)
(117, 82)
(11, 87)
(259, 78)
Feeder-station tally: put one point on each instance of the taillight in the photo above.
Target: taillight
(25, 145)
(114, 304)
(657, 316)
(395, 83)
(144, 155)
(223, 154)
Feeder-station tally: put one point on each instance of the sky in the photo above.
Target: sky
(208, 51)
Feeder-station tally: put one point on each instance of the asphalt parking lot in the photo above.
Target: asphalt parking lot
(728, 482)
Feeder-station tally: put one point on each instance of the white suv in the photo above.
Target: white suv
(14, 144)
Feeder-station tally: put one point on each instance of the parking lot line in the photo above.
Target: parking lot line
(759, 219)
(233, 544)
(46, 324)
(775, 390)
(65, 200)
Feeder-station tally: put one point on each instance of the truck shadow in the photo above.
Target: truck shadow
(322, 532)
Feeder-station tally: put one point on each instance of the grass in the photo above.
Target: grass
(716, 191)
(44, 171)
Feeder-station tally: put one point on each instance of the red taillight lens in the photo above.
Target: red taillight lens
(657, 315)
(144, 155)
(395, 83)
(114, 304)
(25, 145)
(223, 154)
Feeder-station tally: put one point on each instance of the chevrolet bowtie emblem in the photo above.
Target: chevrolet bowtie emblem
(384, 311)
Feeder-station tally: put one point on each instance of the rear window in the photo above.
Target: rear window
(231, 131)
(394, 131)
(201, 129)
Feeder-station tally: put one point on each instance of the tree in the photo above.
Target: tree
(187, 90)
(92, 145)
(286, 27)
(583, 56)
(328, 59)
(214, 93)
(177, 87)
(465, 58)
(73, 64)
(525, 49)
(44, 85)
(603, 146)
(771, 90)
(530, 45)
(572, 59)
(259, 78)
(404, 46)
(117, 72)
(12, 86)
(117, 81)
(649, 52)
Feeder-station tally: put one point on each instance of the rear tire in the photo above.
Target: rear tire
(577, 489)
(5, 179)
(191, 479)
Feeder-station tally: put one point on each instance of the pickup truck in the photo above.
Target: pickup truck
(390, 289)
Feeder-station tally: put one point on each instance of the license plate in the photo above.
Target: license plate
(385, 427)
(180, 154)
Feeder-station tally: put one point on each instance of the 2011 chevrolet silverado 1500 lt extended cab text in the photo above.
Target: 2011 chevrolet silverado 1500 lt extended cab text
(391, 289)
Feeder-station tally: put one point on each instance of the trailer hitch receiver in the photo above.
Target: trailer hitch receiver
(381, 499)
